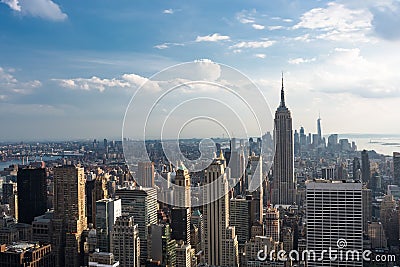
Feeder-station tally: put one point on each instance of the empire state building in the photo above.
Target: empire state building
(283, 184)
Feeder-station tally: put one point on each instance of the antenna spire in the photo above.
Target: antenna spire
(282, 94)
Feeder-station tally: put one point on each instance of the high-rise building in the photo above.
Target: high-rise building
(367, 208)
(180, 224)
(319, 130)
(145, 174)
(239, 216)
(32, 194)
(356, 169)
(69, 218)
(365, 167)
(376, 234)
(125, 241)
(107, 212)
(141, 203)
(162, 248)
(396, 168)
(197, 221)
(333, 141)
(283, 184)
(183, 255)
(334, 220)
(254, 173)
(9, 190)
(272, 224)
(221, 245)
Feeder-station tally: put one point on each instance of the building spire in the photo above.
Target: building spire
(282, 94)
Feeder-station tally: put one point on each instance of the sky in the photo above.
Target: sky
(68, 69)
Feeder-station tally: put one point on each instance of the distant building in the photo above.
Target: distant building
(145, 174)
(125, 241)
(162, 248)
(366, 208)
(21, 254)
(377, 235)
(239, 216)
(42, 229)
(365, 167)
(32, 194)
(183, 255)
(272, 224)
(334, 214)
(396, 168)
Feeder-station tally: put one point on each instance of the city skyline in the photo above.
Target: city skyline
(59, 65)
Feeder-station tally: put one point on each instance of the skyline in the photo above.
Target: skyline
(67, 71)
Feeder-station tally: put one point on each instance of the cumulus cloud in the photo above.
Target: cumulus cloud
(212, 38)
(13, 4)
(300, 60)
(253, 44)
(246, 17)
(168, 11)
(336, 22)
(94, 82)
(9, 85)
(260, 55)
(45, 9)
(258, 26)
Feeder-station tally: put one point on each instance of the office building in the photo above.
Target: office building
(32, 193)
(396, 168)
(107, 212)
(334, 212)
(125, 241)
(272, 224)
(21, 254)
(221, 244)
(145, 174)
(69, 218)
(141, 203)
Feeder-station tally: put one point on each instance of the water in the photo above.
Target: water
(5, 164)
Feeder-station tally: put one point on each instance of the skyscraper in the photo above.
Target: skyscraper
(221, 245)
(32, 194)
(107, 212)
(283, 184)
(396, 168)
(145, 174)
(69, 219)
(272, 224)
(319, 129)
(125, 241)
(141, 203)
(334, 220)
(365, 167)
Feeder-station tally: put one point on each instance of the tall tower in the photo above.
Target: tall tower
(283, 184)
(334, 220)
(69, 218)
(221, 244)
(32, 194)
(319, 130)
(107, 212)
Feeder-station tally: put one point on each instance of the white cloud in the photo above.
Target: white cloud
(258, 26)
(92, 83)
(161, 46)
(246, 17)
(9, 85)
(300, 60)
(13, 4)
(336, 22)
(260, 55)
(277, 27)
(253, 44)
(45, 9)
(168, 11)
(212, 38)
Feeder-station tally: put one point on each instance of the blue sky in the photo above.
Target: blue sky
(69, 68)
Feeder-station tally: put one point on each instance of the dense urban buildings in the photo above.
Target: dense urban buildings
(76, 203)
